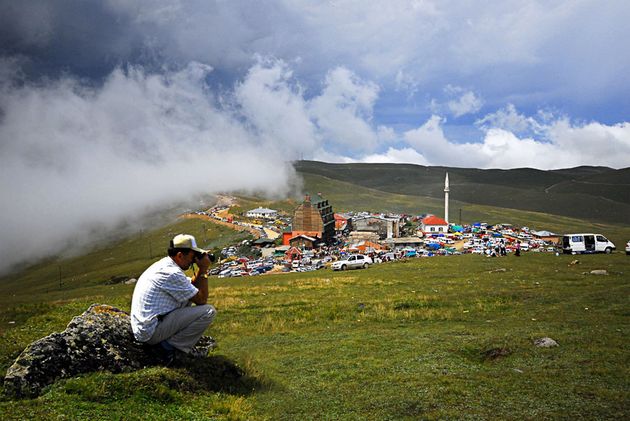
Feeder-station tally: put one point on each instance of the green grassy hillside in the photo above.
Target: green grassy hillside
(441, 338)
(58, 278)
(346, 196)
(597, 194)
(610, 186)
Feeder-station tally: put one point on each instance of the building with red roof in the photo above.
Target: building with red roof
(434, 224)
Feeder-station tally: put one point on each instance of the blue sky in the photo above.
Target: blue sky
(102, 101)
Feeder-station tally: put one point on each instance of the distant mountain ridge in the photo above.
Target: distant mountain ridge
(598, 194)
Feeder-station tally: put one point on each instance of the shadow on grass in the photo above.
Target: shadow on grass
(217, 373)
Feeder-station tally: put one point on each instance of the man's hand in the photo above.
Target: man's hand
(203, 263)
(201, 280)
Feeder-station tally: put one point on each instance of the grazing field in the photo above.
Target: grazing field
(438, 338)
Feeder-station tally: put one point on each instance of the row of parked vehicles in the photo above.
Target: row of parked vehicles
(242, 267)
(571, 244)
(579, 243)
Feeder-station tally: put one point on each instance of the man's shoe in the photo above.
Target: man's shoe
(197, 352)
(202, 348)
(204, 345)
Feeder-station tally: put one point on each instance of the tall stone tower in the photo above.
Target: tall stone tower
(446, 190)
(315, 216)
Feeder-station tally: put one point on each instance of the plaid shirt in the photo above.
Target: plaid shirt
(162, 288)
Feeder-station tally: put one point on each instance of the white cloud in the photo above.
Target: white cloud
(562, 145)
(430, 141)
(427, 134)
(323, 155)
(457, 102)
(274, 105)
(397, 156)
(406, 82)
(508, 118)
(392, 155)
(339, 118)
(592, 143)
(568, 146)
(467, 103)
(385, 134)
(503, 149)
(74, 157)
(344, 109)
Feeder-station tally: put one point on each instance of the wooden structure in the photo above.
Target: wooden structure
(313, 218)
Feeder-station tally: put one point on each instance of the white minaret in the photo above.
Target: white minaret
(446, 190)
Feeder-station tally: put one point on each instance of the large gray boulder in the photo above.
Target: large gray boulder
(99, 339)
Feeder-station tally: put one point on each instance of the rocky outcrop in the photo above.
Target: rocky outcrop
(99, 339)
(545, 342)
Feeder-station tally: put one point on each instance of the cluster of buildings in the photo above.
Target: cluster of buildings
(315, 224)
(315, 230)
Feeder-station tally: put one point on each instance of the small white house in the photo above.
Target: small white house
(262, 213)
(434, 224)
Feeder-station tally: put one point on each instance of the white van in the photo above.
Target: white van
(586, 243)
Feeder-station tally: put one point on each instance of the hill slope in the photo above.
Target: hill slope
(597, 194)
(346, 196)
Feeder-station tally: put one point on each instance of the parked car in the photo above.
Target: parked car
(586, 243)
(628, 248)
(355, 261)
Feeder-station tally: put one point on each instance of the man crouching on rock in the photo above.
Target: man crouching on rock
(162, 314)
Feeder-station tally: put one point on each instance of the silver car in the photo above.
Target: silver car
(355, 261)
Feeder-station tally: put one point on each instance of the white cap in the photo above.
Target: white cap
(186, 241)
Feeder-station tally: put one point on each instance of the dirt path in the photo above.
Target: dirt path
(254, 232)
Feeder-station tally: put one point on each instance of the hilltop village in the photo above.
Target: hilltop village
(314, 237)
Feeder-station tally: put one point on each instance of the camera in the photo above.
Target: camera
(199, 256)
